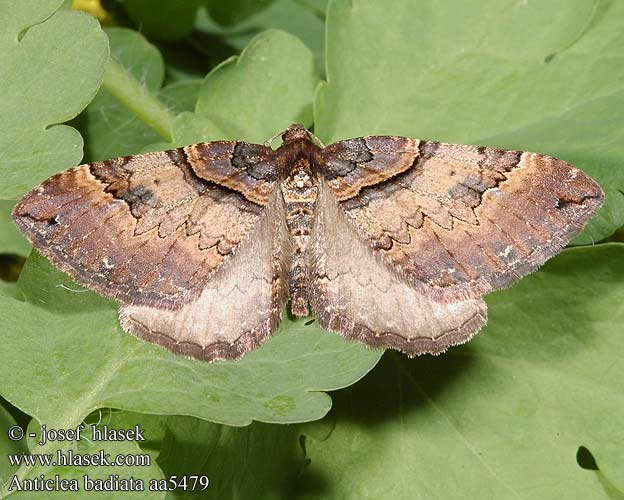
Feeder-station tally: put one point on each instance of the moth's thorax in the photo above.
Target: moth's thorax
(300, 184)
(300, 191)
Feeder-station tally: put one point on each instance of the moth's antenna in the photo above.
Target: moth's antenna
(268, 142)
(316, 139)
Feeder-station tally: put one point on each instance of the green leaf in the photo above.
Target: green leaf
(543, 76)
(11, 240)
(181, 95)
(275, 72)
(610, 216)
(163, 19)
(8, 446)
(9, 289)
(296, 17)
(110, 129)
(233, 11)
(318, 6)
(73, 338)
(503, 416)
(255, 95)
(272, 455)
(47, 78)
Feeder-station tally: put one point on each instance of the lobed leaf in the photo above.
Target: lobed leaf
(542, 76)
(47, 79)
(250, 97)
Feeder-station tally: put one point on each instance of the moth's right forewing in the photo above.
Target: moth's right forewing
(459, 221)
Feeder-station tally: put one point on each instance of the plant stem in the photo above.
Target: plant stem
(137, 99)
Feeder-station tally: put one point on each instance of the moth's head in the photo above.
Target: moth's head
(294, 132)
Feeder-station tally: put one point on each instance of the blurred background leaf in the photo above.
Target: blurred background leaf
(302, 19)
(162, 19)
(232, 12)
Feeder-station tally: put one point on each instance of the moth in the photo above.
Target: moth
(388, 240)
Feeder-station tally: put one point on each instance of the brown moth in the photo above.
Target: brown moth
(387, 240)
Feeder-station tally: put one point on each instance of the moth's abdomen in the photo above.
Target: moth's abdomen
(299, 191)
(299, 217)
